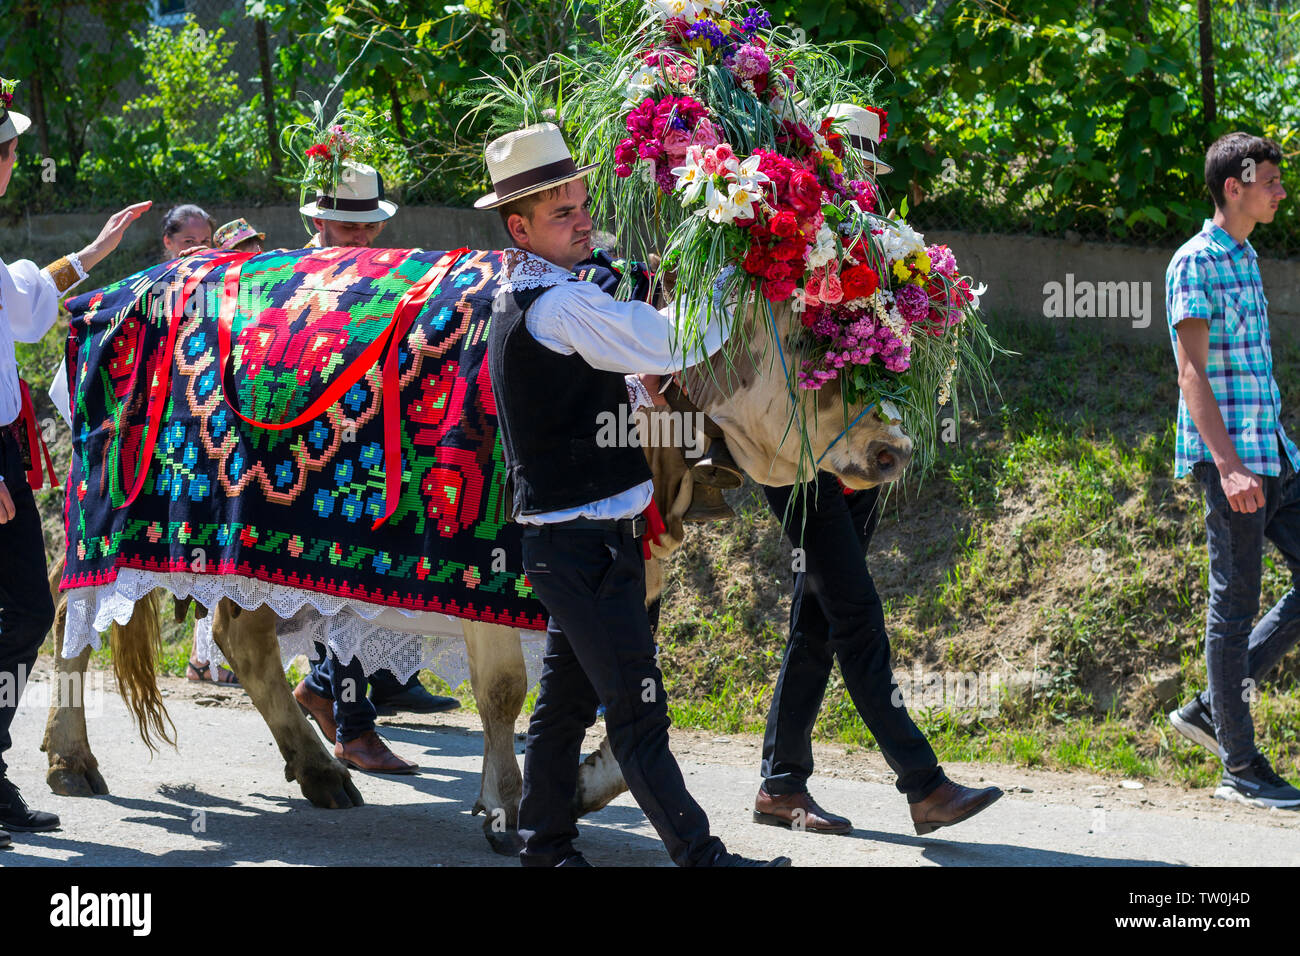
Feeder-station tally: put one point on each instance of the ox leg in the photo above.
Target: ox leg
(74, 771)
(250, 644)
(500, 682)
(600, 780)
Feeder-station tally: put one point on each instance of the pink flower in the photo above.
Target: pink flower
(675, 144)
(750, 61)
(706, 135)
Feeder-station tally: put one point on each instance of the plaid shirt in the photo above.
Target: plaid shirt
(1216, 278)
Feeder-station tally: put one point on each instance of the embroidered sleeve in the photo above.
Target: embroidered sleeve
(66, 272)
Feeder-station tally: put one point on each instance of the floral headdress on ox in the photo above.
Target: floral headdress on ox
(724, 154)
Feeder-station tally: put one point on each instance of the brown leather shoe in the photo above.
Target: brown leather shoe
(797, 811)
(950, 803)
(319, 709)
(369, 752)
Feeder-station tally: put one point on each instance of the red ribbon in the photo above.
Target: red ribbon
(407, 309)
(654, 528)
(35, 442)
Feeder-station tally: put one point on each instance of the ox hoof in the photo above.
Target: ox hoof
(506, 842)
(330, 787)
(76, 783)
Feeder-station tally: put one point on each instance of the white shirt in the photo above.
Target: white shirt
(29, 306)
(628, 337)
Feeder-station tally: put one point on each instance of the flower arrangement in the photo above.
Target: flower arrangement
(7, 88)
(716, 121)
(322, 147)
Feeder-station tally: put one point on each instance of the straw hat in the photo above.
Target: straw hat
(528, 161)
(862, 130)
(359, 197)
(11, 123)
(235, 232)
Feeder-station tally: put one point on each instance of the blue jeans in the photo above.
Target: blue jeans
(1237, 656)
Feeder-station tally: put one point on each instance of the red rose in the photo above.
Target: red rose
(859, 282)
(785, 225)
(756, 260)
(778, 271)
(779, 290)
(789, 249)
(805, 193)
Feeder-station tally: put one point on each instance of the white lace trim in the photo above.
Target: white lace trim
(397, 639)
(521, 269)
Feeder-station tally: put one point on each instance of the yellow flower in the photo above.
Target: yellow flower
(724, 26)
(922, 262)
(902, 271)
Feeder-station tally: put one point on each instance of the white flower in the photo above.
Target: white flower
(823, 250)
(740, 201)
(899, 240)
(975, 295)
(747, 174)
(641, 83)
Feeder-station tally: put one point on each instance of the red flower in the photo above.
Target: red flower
(805, 193)
(884, 124)
(677, 28)
(789, 249)
(756, 260)
(859, 282)
(778, 271)
(785, 225)
(778, 291)
(319, 151)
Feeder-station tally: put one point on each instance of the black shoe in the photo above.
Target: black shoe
(414, 699)
(574, 859)
(5, 839)
(735, 859)
(17, 816)
(1194, 723)
(1257, 785)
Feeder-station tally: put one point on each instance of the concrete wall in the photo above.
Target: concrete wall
(1015, 268)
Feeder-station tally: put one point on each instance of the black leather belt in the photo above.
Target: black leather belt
(636, 527)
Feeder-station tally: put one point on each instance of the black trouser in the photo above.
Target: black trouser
(836, 613)
(26, 608)
(599, 650)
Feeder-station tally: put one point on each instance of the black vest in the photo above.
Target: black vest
(550, 411)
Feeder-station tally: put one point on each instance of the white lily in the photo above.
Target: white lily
(747, 174)
(740, 201)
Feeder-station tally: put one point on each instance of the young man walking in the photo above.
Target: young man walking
(558, 351)
(1231, 438)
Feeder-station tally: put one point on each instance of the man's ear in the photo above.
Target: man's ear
(517, 226)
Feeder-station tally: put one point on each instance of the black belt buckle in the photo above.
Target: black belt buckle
(636, 527)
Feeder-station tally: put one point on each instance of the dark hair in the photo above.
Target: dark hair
(1226, 159)
(525, 205)
(176, 217)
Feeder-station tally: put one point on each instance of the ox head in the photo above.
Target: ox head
(749, 397)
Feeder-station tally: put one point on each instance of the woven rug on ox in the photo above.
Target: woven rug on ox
(316, 419)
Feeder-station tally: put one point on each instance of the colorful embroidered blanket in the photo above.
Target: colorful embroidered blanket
(169, 472)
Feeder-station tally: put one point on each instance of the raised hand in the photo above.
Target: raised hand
(111, 234)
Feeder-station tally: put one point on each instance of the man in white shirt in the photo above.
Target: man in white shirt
(581, 497)
(29, 306)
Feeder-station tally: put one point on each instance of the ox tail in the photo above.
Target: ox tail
(136, 646)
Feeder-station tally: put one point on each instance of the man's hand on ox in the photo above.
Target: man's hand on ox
(111, 234)
(1244, 491)
(7, 509)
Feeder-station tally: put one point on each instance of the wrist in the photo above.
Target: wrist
(90, 256)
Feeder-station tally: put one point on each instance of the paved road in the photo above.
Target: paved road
(221, 799)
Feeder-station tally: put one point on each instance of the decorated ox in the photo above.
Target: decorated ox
(233, 442)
